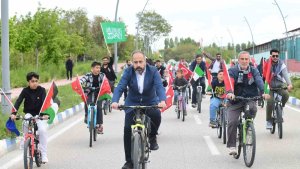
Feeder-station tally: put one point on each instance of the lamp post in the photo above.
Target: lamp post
(286, 33)
(251, 35)
(5, 56)
(138, 27)
(116, 44)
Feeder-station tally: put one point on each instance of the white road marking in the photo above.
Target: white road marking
(52, 137)
(292, 108)
(197, 119)
(211, 145)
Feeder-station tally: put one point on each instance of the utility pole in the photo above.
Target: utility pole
(116, 44)
(286, 33)
(138, 27)
(251, 35)
(6, 108)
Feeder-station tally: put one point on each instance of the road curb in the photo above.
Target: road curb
(7, 145)
(294, 101)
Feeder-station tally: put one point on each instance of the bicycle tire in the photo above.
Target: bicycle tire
(183, 116)
(219, 126)
(240, 142)
(178, 111)
(137, 151)
(279, 121)
(249, 161)
(272, 131)
(199, 100)
(95, 134)
(91, 127)
(104, 105)
(28, 159)
(37, 156)
(224, 123)
(109, 106)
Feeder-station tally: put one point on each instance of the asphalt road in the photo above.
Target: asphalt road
(183, 145)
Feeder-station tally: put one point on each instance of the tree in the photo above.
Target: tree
(171, 43)
(166, 43)
(176, 41)
(243, 46)
(153, 25)
(238, 48)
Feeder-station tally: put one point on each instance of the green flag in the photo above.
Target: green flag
(198, 72)
(113, 32)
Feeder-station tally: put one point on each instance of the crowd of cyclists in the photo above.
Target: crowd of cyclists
(143, 83)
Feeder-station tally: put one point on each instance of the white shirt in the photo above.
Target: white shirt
(216, 67)
(140, 80)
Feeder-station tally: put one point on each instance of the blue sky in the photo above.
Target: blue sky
(209, 19)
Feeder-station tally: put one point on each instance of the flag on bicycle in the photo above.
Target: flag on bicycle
(267, 74)
(228, 81)
(105, 90)
(13, 109)
(208, 74)
(187, 73)
(76, 86)
(51, 103)
(169, 100)
(198, 72)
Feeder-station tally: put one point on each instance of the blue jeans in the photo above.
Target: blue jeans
(214, 105)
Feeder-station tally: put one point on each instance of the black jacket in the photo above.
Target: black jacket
(33, 100)
(69, 64)
(109, 71)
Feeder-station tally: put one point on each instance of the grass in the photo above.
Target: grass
(296, 87)
(67, 97)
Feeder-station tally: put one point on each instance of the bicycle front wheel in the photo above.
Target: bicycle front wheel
(279, 121)
(224, 124)
(137, 150)
(105, 107)
(28, 158)
(249, 145)
(91, 127)
(199, 100)
(178, 110)
(219, 126)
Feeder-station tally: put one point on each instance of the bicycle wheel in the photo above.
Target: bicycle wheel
(109, 106)
(199, 100)
(137, 151)
(262, 104)
(239, 142)
(272, 131)
(224, 124)
(279, 120)
(105, 108)
(37, 155)
(249, 146)
(28, 158)
(178, 111)
(219, 126)
(183, 111)
(91, 127)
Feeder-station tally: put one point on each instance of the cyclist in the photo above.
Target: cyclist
(246, 81)
(145, 88)
(215, 65)
(179, 81)
(217, 97)
(107, 69)
(279, 79)
(94, 79)
(197, 62)
(34, 96)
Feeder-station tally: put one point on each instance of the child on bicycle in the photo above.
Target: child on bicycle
(179, 81)
(94, 79)
(34, 96)
(218, 94)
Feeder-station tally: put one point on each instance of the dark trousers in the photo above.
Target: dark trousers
(233, 114)
(155, 117)
(270, 102)
(195, 84)
(99, 109)
(69, 74)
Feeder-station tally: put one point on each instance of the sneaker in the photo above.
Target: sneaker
(153, 144)
(128, 165)
(44, 159)
(100, 129)
(194, 105)
(232, 151)
(212, 124)
(269, 125)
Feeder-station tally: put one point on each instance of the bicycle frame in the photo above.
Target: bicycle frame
(90, 107)
(181, 100)
(31, 134)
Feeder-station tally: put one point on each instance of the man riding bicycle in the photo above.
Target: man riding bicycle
(197, 62)
(280, 79)
(94, 79)
(144, 88)
(246, 81)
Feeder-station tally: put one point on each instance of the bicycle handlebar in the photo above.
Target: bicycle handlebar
(19, 117)
(248, 98)
(180, 87)
(91, 88)
(123, 107)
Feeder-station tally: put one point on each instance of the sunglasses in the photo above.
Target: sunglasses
(275, 56)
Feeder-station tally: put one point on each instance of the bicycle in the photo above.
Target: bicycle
(140, 146)
(181, 102)
(31, 142)
(199, 97)
(221, 120)
(246, 137)
(277, 112)
(92, 115)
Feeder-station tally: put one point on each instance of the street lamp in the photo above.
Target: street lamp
(138, 27)
(251, 35)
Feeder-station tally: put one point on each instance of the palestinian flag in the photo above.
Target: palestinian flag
(187, 73)
(267, 74)
(209, 77)
(104, 92)
(51, 103)
(198, 72)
